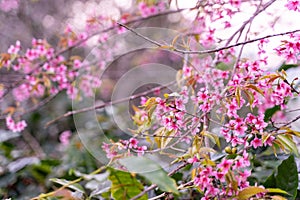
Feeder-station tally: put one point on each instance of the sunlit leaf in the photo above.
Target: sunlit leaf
(277, 197)
(150, 103)
(175, 40)
(250, 191)
(213, 137)
(222, 66)
(158, 135)
(290, 131)
(250, 97)
(288, 143)
(179, 77)
(255, 88)
(277, 190)
(238, 96)
(230, 179)
(167, 136)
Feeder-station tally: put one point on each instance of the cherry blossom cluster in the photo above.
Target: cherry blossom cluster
(43, 78)
(8, 5)
(15, 126)
(70, 38)
(224, 179)
(293, 5)
(250, 86)
(290, 49)
(147, 9)
(238, 132)
(127, 147)
(64, 137)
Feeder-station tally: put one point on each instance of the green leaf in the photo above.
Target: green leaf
(287, 66)
(74, 186)
(222, 66)
(250, 191)
(270, 112)
(151, 171)
(277, 190)
(213, 137)
(288, 143)
(271, 181)
(125, 185)
(285, 177)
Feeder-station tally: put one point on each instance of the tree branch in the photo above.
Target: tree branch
(210, 50)
(108, 103)
(257, 12)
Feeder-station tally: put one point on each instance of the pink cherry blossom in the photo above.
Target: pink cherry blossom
(64, 137)
(256, 142)
(293, 5)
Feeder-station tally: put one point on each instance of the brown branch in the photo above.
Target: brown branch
(241, 51)
(210, 50)
(70, 113)
(292, 121)
(292, 87)
(257, 12)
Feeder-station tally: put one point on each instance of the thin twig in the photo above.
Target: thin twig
(240, 53)
(210, 50)
(292, 87)
(292, 121)
(70, 113)
(294, 110)
(257, 12)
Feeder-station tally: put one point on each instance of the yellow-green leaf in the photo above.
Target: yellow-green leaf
(158, 136)
(175, 40)
(250, 191)
(167, 136)
(230, 179)
(277, 197)
(288, 143)
(277, 190)
(238, 95)
(253, 87)
(250, 97)
(213, 137)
